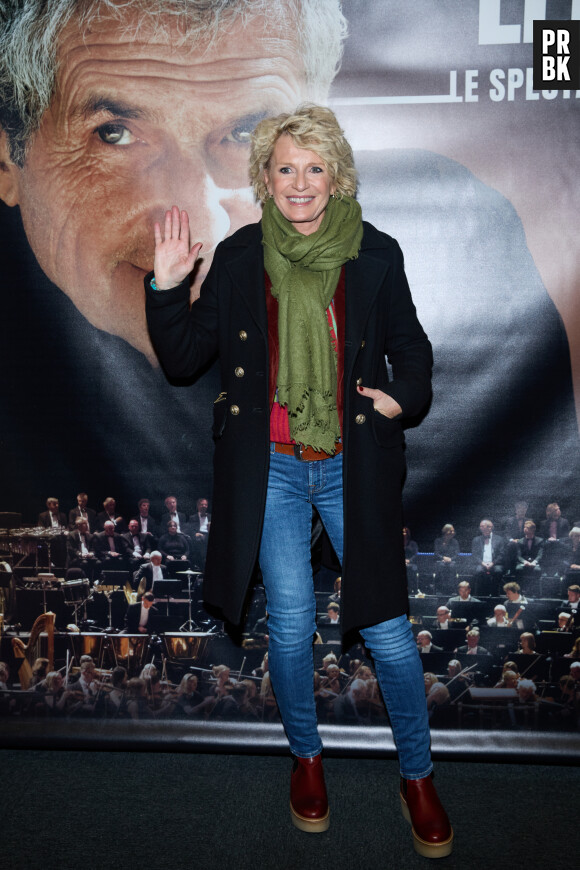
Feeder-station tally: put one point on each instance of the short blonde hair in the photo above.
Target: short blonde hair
(314, 128)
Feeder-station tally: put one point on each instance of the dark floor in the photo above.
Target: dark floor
(96, 810)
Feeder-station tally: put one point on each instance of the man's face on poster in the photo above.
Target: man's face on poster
(136, 125)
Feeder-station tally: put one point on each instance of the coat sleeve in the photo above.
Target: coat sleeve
(407, 347)
(185, 338)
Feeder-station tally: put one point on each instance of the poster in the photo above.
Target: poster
(473, 172)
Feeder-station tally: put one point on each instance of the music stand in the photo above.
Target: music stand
(190, 625)
(166, 589)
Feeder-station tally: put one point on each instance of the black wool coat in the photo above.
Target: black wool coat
(230, 320)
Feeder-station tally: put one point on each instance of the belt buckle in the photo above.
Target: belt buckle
(298, 451)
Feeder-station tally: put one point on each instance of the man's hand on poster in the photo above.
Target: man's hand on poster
(174, 259)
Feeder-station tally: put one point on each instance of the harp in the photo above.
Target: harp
(40, 643)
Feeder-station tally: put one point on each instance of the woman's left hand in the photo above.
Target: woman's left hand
(383, 403)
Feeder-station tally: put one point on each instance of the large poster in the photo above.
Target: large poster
(113, 112)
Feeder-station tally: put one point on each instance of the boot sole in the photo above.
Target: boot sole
(425, 849)
(311, 826)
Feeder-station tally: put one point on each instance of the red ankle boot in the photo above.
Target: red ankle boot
(432, 833)
(308, 800)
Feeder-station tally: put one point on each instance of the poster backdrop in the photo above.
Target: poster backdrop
(113, 112)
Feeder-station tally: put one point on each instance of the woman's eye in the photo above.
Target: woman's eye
(115, 134)
(317, 169)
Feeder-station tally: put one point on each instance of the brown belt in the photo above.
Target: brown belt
(305, 454)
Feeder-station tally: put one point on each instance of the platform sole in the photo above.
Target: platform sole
(425, 849)
(311, 826)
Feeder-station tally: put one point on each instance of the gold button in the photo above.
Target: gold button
(360, 418)
(359, 382)
(235, 410)
(363, 342)
(243, 334)
(239, 372)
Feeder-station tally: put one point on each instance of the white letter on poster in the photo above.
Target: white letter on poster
(491, 32)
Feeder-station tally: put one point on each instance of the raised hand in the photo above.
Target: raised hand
(383, 403)
(174, 259)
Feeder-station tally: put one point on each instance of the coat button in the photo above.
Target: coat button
(363, 342)
(360, 419)
(359, 382)
(235, 410)
(243, 335)
(239, 372)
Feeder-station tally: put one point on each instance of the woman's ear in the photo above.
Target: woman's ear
(9, 173)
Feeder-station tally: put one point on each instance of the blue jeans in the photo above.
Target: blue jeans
(293, 487)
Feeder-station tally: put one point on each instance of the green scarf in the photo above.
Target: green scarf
(304, 271)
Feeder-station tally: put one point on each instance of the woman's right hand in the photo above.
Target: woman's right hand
(174, 259)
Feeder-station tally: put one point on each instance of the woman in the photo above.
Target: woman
(446, 552)
(301, 309)
(174, 545)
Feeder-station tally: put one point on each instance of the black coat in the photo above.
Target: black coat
(230, 319)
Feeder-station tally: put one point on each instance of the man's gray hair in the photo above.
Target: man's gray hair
(30, 32)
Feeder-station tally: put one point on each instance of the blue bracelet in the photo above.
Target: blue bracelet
(153, 284)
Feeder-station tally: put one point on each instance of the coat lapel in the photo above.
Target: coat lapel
(364, 279)
(247, 273)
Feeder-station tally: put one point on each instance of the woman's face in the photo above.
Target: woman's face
(299, 183)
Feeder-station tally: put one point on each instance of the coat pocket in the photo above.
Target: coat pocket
(220, 411)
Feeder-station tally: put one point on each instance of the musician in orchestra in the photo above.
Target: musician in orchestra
(487, 553)
(425, 643)
(436, 693)
(171, 513)
(499, 618)
(149, 573)
(472, 647)
(571, 556)
(140, 617)
(174, 545)
(110, 548)
(332, 614)
(530, 553)
(463, 595)
(198, 527)
(283, 307)
(575, 651)
(509, 679)
(514, 597)
(84, 512)
(85, 688)
(146, 522)
(80, 548)
(109, 515)
(116, 699)
(527, 643)
(53, 517)
(235, 706)
(188, 697)
(351, 707)
(139, 545)
(572, 605)
(56, 697)
(564, 622)
(442, 617)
